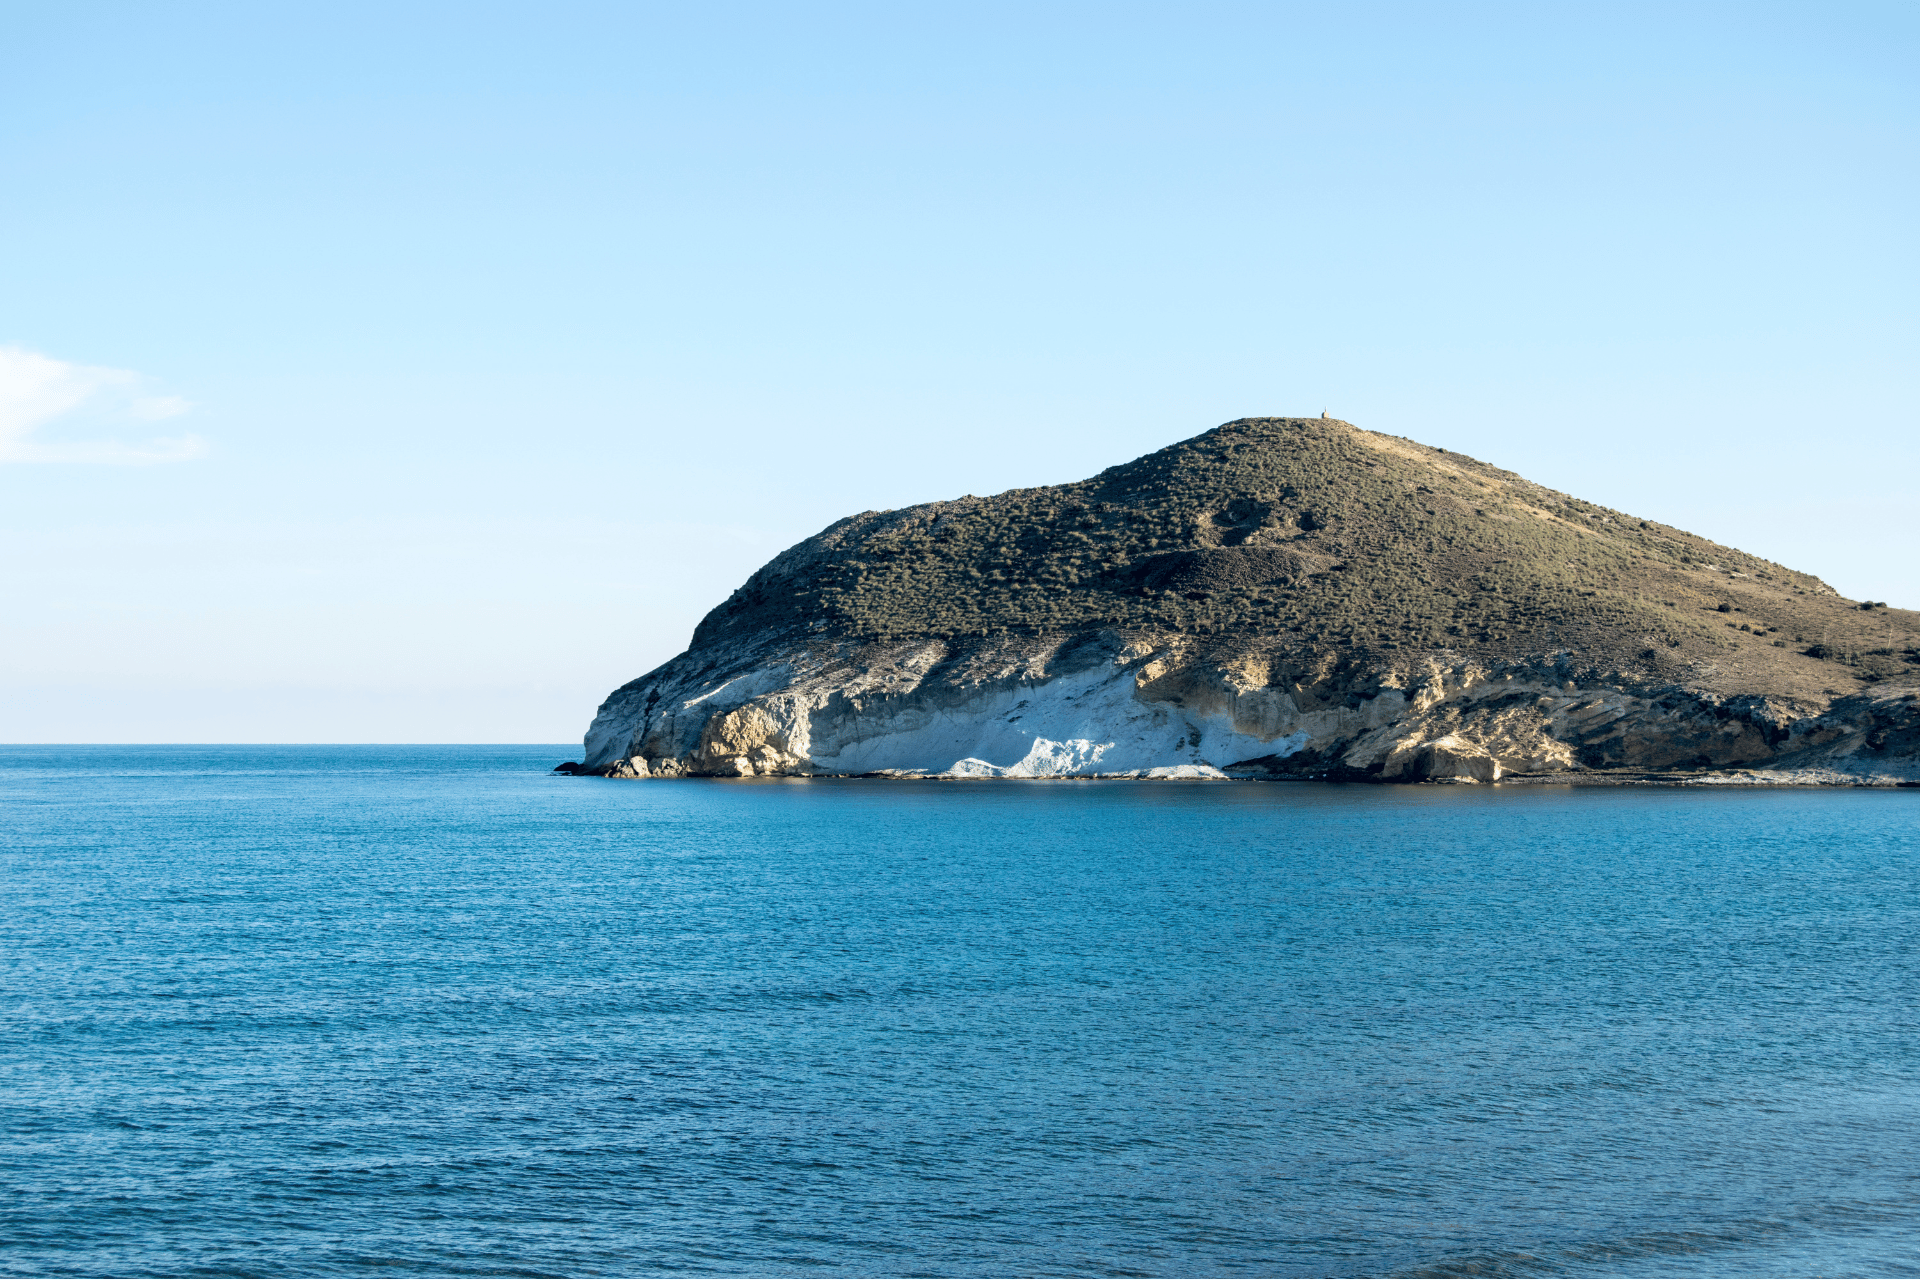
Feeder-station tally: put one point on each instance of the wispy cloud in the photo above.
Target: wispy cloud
(56, 411)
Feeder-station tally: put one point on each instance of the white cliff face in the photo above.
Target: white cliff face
(1093, 723)
(1099, 706)
(1031, 722)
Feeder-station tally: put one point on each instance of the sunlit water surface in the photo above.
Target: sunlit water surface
(373, 1010)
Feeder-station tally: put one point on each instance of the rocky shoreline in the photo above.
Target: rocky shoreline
(1804, 779)
(1106, 706)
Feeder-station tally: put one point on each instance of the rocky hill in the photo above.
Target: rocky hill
(1278, 597)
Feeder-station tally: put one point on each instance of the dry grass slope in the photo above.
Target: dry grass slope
(1311, 539)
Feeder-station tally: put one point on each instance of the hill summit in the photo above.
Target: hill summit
(1277, 597)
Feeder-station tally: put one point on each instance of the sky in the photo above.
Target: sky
(421, 372)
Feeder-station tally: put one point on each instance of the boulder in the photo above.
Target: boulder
(1454, 759)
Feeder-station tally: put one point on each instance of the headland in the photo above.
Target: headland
(1279, 598)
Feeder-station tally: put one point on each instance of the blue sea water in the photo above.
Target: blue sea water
(402, 1011)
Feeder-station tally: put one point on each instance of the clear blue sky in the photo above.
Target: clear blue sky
(420, 372)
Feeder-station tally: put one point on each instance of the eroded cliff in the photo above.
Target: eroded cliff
(1280, 598)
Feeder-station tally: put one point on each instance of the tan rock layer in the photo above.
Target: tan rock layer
(1440, 716)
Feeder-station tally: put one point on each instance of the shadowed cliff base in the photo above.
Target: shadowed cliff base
(1278, 598)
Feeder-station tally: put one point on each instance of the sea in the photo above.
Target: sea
(433, 1011)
